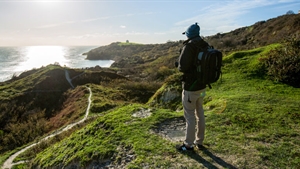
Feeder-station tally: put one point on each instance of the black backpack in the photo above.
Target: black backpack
(208, 66)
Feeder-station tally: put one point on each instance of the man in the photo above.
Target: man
(193, 90)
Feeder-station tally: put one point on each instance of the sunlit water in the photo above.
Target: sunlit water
(15, 60)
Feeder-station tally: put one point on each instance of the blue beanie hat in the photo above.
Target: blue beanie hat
(192, 31)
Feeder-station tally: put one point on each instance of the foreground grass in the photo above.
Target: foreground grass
(258, 122)
(114, 131)
(251, 123)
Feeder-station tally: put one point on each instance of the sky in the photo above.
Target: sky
(101, 22)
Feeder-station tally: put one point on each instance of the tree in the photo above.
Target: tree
(290, 12)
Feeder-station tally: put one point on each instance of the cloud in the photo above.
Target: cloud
(136, 33)
(94, 20)
(81, 36)
(160, 33)
(223, 16)
(285, 1)
(122, 26)
(100, 35)
(48, 26)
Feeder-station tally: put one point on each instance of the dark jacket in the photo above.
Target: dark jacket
(186, 63)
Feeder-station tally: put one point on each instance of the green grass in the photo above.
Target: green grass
(12, 89)
(259, 119)
(251, 122)
(115, 130)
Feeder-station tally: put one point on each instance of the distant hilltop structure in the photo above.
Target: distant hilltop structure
(299, 12)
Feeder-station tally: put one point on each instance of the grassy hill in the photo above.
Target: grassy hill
(252, 122)
(41, 100)
(156, 61)
(261, 33)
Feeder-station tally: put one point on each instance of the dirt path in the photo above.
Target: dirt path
(9, 162)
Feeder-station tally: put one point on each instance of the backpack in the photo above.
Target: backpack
(208, 66)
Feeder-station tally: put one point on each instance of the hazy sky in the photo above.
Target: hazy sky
(101, 22)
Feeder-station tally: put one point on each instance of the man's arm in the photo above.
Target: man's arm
(185, 59)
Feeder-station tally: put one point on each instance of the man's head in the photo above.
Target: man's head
(192, 31)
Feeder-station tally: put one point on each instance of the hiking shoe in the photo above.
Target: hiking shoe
(183, 147)
(200, 147)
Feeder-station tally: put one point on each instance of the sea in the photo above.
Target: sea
(15, 60)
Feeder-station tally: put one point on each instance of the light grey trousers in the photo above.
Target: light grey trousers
(192, 102)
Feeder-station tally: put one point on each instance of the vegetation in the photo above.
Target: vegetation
(252, 117)
(35, 104)
(283, 63)
(262, 33)
(252, 122)
(128, 43)
(25, 106)
(102, 139)
(259, 118)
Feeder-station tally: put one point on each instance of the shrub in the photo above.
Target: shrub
(164, 72)
(283, 63)
(134, 91)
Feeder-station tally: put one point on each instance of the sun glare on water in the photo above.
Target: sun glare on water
(38, 56)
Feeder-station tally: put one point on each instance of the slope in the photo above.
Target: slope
(251, 123)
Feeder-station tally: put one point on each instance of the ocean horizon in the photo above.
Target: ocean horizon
(17, 59)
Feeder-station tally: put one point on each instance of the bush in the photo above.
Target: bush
(283, 63)
(134, 91)
(164, 72)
